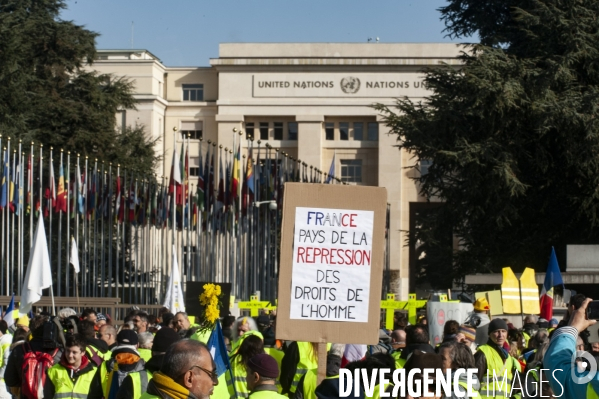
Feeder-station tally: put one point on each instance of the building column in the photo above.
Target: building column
(309, 139)
(393, 178)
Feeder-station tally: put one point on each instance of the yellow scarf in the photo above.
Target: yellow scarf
(167, 385)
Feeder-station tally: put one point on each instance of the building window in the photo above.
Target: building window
(373, 131)
(351, 170)
(358, 131)
(343, 131)
(424, 165)
(192, 134)
(194, 166)
(192, 128)
(194, 172)
(193, 92)
(263, 130)
(249, 130)
(278, 130)
(292, 128)
(329, 129)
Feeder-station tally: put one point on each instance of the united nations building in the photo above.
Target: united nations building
(311, 101)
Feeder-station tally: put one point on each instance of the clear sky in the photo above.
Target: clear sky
(187, 32)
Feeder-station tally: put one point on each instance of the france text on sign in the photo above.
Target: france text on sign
(332, 255)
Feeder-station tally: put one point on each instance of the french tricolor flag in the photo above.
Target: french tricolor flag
(553, 277)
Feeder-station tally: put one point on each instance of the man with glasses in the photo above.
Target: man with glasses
(187, 371)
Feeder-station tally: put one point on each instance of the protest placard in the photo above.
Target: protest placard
(439, 313)
(331, 263)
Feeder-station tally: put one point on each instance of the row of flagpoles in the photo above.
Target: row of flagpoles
(122, 224)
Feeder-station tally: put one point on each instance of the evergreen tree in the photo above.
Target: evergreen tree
(513, 136)
(50, 95)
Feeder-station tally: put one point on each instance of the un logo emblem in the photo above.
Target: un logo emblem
(350, 85)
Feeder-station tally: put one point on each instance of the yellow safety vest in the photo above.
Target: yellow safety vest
(499, 388)
(235, 345)
(64, 388)
(464, 385)
(307, 361)
(238, 384)
(310, 383)
(267, 395)
(591, 394)
(526, 339)
(90, 351)
(140, 381)
(399, 362)
(145, 354)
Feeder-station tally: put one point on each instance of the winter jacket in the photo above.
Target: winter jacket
(558, 359)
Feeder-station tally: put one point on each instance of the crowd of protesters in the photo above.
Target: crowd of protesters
(166, 356)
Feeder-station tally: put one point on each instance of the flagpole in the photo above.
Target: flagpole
(85, 222)
(8, 235)
(125, 202)
(4, 231)
(21, 216)
(66, 185)
(59, 269)
(12, 218)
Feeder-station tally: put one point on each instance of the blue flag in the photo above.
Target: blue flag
(8, 316)
(218, 350)
(331, 171)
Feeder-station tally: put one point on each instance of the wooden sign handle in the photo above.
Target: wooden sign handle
(322, 362)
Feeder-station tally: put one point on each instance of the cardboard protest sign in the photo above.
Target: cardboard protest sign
(331, 263)
(494, 299)
(438, 313)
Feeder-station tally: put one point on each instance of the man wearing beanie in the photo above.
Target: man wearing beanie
(110, 375)
(262, 372)
(493, 357)
(136, 383)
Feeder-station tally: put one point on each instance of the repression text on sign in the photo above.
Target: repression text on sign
(332, 255)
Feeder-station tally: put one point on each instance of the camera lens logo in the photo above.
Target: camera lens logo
(350, 85)
(584, 367)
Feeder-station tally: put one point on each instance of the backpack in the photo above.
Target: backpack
(33, 377)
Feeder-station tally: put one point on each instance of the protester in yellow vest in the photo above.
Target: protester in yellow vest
(416, 339)
(262, 372)
(97, 349)
(71, 378)
(5, 341)
(306, 388)
(146, 339)
(125, 359)
(242, 326)
(299, 358)
(493, 357)
(136, 383)
(187, 371)
(251, 346)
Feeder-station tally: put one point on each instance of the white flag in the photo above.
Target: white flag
(39, 274)
(74, 255)
(174, 292)
(177, 166)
